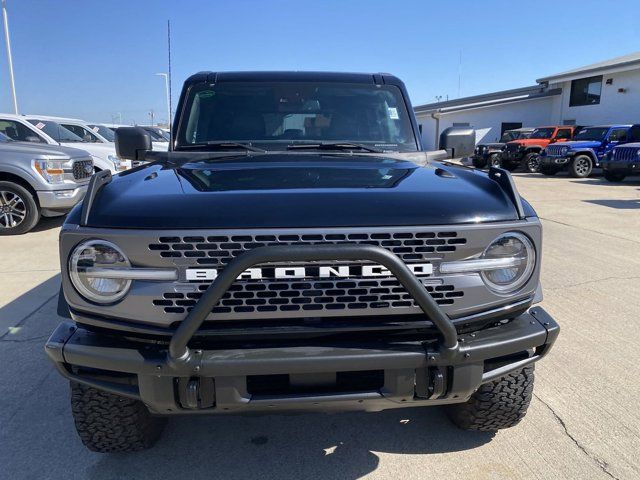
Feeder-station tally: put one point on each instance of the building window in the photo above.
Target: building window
(585, 91)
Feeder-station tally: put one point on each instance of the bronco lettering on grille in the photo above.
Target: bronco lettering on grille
(278, 273)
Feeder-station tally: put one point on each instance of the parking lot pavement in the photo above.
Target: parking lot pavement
(584, 421)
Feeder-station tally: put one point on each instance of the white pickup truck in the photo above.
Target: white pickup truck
(42, 129)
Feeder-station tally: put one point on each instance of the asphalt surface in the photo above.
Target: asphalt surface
(584, 421)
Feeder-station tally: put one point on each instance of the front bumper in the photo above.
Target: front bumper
(513, 156)
(185, 374)
(554, 161)
(223, 380)
(626, 168)
(61, 200)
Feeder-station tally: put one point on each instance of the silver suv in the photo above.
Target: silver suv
(39, 181)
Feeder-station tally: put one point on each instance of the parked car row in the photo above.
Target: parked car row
(578, 150)
(46, 163)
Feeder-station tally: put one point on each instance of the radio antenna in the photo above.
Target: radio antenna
(169, 88)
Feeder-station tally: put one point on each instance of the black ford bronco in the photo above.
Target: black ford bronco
(296, 250)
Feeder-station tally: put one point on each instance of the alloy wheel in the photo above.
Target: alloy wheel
(13, 209)
(582, 167)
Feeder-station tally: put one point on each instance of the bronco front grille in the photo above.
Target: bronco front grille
(81, 170)
(219, 250)
(626, 154)
(256, 296)
(306, 296)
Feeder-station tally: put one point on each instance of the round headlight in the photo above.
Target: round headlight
(86, 259)
(564, 150)
(512, 246)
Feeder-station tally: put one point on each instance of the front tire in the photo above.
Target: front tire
(581, 166)
(110, 423)
(532, 161)
(614, 177)
(496, 405)
(19, 211)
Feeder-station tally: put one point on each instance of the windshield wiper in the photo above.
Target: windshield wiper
(332, 146)
(223, 146)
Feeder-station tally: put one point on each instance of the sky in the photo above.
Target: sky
(96, 60)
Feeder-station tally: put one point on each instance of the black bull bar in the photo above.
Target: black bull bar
(178, 350)
(474, 358)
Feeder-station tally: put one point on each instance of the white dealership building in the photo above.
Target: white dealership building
(602, 93)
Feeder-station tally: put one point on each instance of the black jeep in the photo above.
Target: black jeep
(296, 250)
(490, 154)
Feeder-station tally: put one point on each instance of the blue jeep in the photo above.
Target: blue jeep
(623, 160)
(586, 151)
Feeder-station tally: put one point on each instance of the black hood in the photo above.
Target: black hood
(298, 190)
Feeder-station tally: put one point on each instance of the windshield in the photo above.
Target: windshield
(275, 115)
(542, 133)
(592, 133)
(156, 134)
(107, 133)
(4, 138)
(523, 135)
(55, 131)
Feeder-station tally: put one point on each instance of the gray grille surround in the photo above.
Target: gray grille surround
(164, 303)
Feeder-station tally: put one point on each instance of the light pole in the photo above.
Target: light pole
(166, 85)
(9, 58)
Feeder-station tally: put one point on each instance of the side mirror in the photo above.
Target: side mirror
(132, 142)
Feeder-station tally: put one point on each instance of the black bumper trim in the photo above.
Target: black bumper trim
(406, 365)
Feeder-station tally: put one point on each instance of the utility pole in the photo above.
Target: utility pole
(166, 86)
(151, 115)
(460, 74)
(9, 57)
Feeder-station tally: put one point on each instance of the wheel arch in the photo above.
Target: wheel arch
(588, 152)
(17, 179)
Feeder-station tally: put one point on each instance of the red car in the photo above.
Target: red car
(525, 151)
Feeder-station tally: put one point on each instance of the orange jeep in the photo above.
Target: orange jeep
(525, 151)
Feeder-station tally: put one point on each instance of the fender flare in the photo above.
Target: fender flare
(533, 149)
(24, 174)
(589, 152)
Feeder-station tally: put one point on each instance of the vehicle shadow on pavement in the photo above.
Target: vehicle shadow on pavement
(38, 438)
(47, 223)
(617, 204)
(602, 181)
(291, 446)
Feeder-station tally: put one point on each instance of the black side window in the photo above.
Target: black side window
(618, 135)
(17, 131)
(585, 91)
(563, 134)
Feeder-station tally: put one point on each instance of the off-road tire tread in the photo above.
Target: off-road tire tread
(526, 160)
(109, 423)
(572, 170)
(496, 405)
